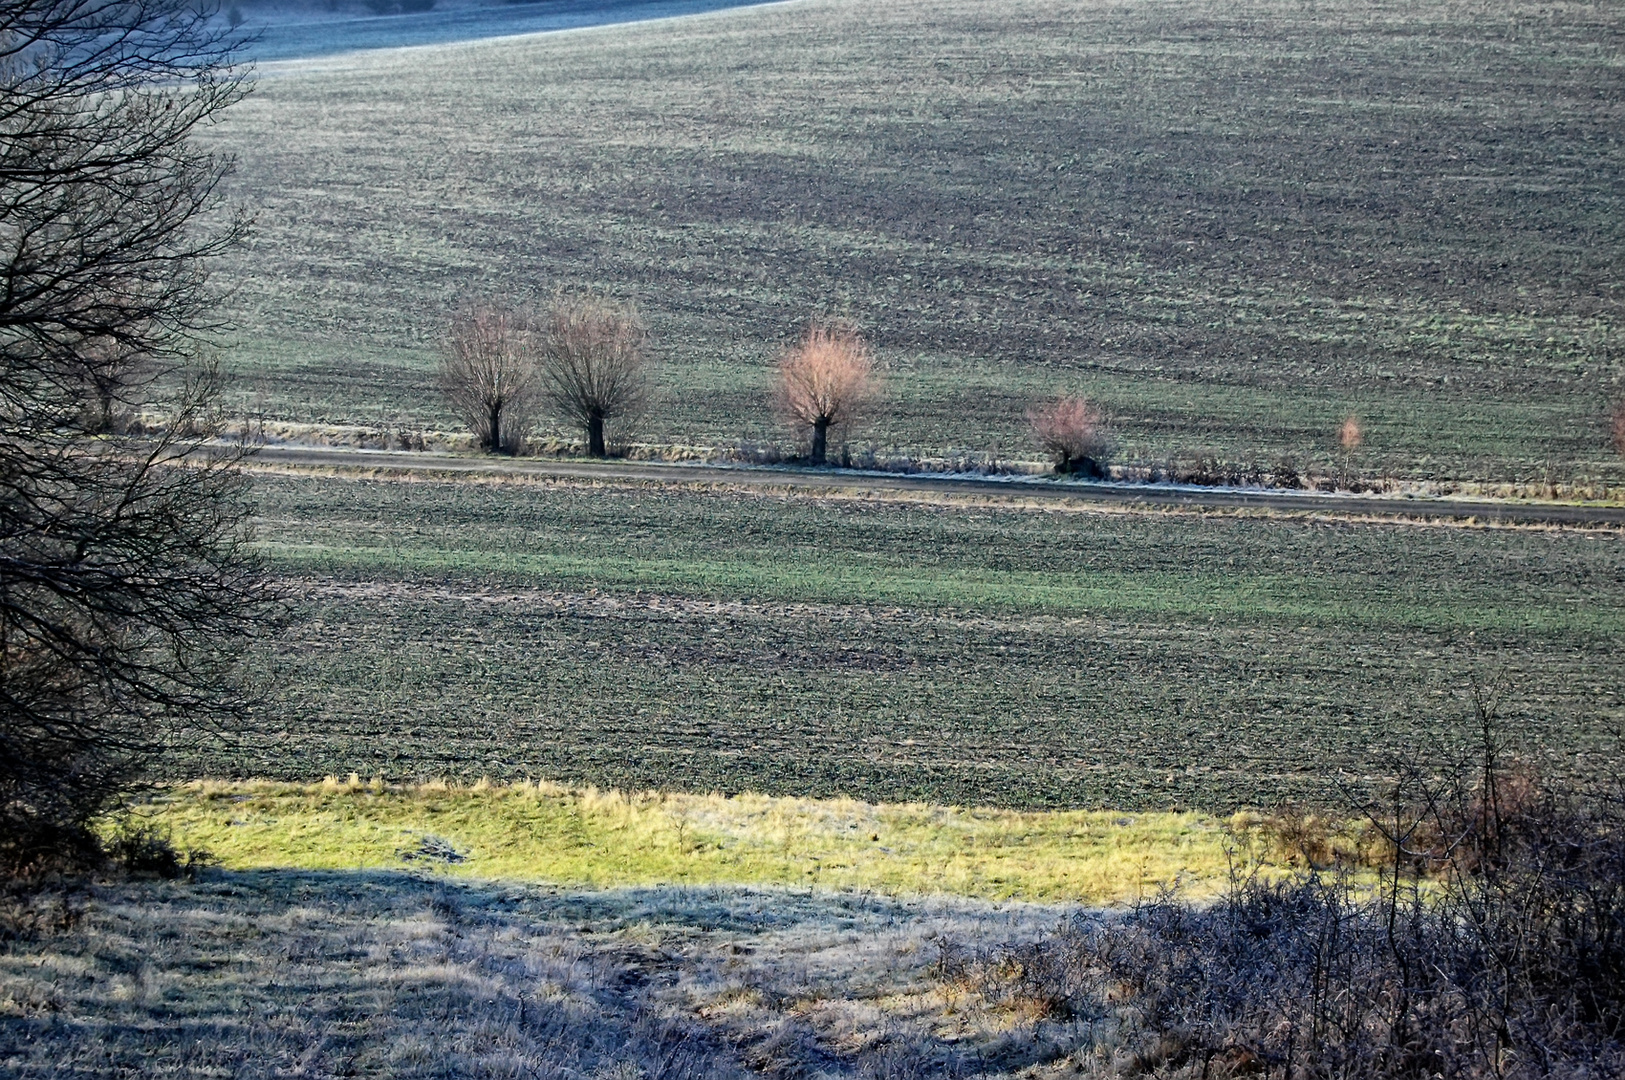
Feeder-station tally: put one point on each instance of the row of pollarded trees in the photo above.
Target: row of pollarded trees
(585, 361)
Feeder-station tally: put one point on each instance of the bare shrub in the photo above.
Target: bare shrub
(1286, 474)
(1311, 839)
(144, 851)
(488, 374)
(1350, 435)
(1072, 431)
(824, 382)
(1494, 946)
(593, 364)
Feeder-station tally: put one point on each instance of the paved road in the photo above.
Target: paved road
(1036, 488)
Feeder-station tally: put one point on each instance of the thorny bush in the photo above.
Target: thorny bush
(1492, 946)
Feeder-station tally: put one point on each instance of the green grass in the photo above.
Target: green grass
(863, 577)
(544, 833)
(1235, 225)
(645, 636)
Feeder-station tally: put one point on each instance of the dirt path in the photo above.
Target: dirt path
(1025, 488)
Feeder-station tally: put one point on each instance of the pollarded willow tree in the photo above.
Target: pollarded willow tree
(126, 585)
(488, 373)
(824, 382)
(593, 364)
(1072, 431)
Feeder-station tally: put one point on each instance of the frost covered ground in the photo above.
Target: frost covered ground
(284, 973)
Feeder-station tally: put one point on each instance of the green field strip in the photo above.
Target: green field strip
(1167, 595)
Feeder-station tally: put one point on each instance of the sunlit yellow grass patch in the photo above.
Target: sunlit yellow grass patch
(546, 833)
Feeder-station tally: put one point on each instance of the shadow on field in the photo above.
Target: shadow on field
(270, 972)
(282, 36)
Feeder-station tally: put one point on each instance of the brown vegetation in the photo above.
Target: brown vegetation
(824, 381)
(1350, 435)
(1619, 428)
(488, 374)
(593, 364)
(1494, 946)
(1072, 431)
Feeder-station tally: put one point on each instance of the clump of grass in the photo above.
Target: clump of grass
(591, 837)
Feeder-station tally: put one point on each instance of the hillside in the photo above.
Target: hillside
(1234, 225)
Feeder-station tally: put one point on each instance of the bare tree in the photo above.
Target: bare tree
(126, 586)
(1072, 431)
(1350, 435)
(488, 372)
(593, 364)
(116, 385)
(824, 381)
(1619, 427)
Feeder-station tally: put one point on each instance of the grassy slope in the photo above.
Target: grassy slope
(642, 636)
(1234, 223)
(544, 833)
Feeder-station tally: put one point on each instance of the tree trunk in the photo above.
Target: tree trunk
(595, 436)
(104, 422)
(494, 443)
(820, 440)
